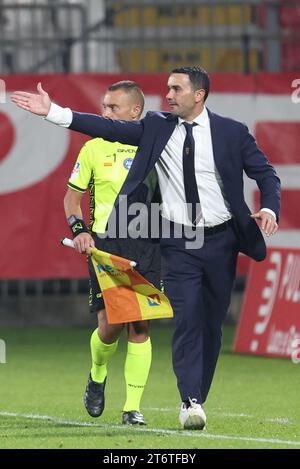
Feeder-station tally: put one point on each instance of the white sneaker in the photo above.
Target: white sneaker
(193, 417)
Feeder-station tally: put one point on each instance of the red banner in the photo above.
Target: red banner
(36, 159)
(270, 321)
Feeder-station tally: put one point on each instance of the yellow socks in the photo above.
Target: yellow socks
(101, 354)
(137, 366)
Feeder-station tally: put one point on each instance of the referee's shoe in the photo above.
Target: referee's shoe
(133, 417)
(93, 398)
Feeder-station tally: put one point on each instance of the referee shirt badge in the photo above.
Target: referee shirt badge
(127, 163)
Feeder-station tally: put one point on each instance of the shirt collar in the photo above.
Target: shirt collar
(202, 119)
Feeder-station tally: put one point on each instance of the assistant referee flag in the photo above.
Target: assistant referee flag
(127, 295)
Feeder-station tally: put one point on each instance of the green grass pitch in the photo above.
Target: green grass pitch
(253, 402)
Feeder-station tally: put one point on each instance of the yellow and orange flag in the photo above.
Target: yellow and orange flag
(127, 295)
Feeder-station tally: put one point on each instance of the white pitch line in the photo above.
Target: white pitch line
(76, 423)
(280, 420)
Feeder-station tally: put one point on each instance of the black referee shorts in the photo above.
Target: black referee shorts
(145, 253)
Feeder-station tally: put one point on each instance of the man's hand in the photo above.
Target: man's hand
(36, 103)
(268, 222)
(84, 243)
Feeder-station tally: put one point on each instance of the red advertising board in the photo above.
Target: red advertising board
(36, 159)
(270, 319)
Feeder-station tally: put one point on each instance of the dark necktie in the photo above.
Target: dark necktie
(189, 175)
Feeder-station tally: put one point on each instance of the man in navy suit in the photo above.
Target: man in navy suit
(200, 158)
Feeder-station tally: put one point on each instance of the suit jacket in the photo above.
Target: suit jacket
(234, 150)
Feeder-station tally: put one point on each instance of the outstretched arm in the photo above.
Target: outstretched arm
(39, 103)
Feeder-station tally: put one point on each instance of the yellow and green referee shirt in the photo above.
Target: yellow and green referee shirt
(102, 167)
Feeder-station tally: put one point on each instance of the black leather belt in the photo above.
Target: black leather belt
(210, 230)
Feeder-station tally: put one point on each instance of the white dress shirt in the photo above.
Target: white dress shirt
(214, 206)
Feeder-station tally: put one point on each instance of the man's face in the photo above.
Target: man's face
(182, 98)
(119, 104)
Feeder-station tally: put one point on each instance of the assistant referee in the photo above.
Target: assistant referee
(102, 168)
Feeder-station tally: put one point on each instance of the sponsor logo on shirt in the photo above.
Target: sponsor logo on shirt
(127, 163)
(127, 150)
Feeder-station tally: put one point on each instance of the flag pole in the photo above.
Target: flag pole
(70, 244)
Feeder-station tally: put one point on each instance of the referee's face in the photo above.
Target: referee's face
(120, 104)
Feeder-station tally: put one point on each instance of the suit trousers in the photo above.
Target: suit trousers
(198, 283)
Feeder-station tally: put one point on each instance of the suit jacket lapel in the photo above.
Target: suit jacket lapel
(165, 130)
(146, 162)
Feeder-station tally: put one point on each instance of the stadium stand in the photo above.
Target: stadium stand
(40, 36)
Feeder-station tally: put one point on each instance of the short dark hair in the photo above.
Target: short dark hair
(130, 87)
(198, 77)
